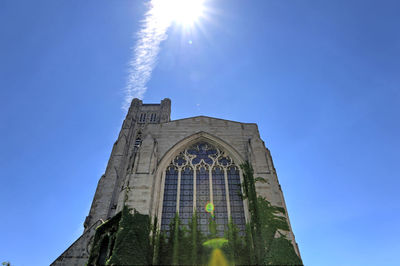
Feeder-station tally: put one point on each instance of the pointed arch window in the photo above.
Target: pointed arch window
(202, 174)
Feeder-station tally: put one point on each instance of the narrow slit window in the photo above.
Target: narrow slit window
(142, 118)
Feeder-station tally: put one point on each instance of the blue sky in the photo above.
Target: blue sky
(320, 78)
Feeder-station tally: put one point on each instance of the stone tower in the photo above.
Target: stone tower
(161, 167)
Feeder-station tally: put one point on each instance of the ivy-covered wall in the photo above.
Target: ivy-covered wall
(102, 246)
(130, 239)
(266, 222)
(122, 240)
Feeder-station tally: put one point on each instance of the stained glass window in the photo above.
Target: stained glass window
(235, 198)
(169, 203)
(202, 151)
(186, 196)
(199, 159)
(202, 198)
(219, 199)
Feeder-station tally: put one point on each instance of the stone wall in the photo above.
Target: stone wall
(142, 152)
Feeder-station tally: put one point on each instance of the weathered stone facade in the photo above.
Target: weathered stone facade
(147, 143)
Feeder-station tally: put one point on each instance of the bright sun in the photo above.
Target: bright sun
(184, 12)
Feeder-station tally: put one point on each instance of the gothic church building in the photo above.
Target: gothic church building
(161, 167)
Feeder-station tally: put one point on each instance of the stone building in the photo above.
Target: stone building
(160, 167)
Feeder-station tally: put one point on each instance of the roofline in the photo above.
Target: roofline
(203, 116)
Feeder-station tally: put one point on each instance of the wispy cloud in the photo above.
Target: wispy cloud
(152, 33)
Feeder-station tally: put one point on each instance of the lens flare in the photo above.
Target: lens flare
(218, 258)
(209, 207)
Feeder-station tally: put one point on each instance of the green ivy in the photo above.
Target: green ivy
(132, 244)
(107, 229)
(281, 252)
(194, 244)
(129, 240)
(266, 221)
(237, 251)
(132, 240)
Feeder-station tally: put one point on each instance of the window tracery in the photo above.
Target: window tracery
(202, 174)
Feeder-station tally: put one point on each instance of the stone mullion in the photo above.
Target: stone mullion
(194, 189)
(210, 186)
(178, 191)
(228, 202)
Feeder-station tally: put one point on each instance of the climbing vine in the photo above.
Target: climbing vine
(130, 239)
(122, 240)
(266, 222)
(100, 248)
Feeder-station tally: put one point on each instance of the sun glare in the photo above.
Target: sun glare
(184, 12)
